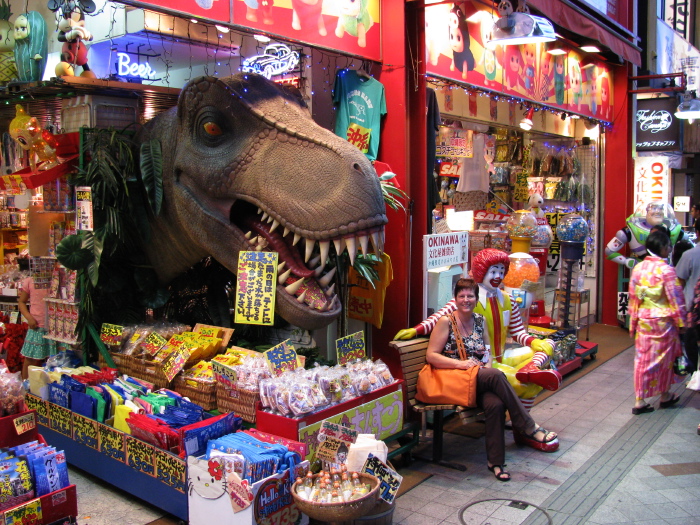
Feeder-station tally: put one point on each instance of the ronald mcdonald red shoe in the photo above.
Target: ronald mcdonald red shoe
(548, 379)
(545, 445)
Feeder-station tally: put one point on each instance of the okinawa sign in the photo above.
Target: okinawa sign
(455, 44)
(657, 128)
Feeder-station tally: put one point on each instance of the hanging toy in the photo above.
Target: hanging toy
(40, 143)
(73, 34)
(31, 46)
(8, 71)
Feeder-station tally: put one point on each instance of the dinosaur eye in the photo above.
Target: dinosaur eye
(212, 128)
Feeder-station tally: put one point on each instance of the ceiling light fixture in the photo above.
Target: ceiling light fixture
(262, 38)
(520, 27)
(222, 29)
(526, 122)
(556, 51)
(590, 49)
(689, 108)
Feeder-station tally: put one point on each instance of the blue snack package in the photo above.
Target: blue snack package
(51, 473)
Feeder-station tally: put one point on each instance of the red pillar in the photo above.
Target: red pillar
(616, 203)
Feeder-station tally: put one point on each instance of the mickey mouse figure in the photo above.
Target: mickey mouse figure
(72, 32)
(462, 57)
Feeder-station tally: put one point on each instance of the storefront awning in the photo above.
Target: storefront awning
(569, 18)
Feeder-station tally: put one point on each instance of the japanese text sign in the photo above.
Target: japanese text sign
(83, 207)
(24, 423)
(445, 249)
(111, 334)
(454, 142)
(337, 431)
(350, 347)
(153, 343)
(175, 362)
(255, 288)
(651, 180)
(281, 358)
(389, 479)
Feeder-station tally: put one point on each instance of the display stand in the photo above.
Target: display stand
(137, 467)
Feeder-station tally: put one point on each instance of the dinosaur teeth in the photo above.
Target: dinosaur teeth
(309, 248)
(301, 298)
(281, 266)
(270, 219)
(330, 290)
(292, 288)
(253, 241)
(364, 241)
(259, 211)
(339, 245)
(375, 243)
(317, 271)
(297, 237)
(249, 235)
(324, 247)
(283, 278)
(352, 249)
(326, 279)
(274, 225)
(264, 217)
(313, 262)
(286, 231)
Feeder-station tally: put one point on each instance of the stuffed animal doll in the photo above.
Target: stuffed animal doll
(73, 34)
(355, 20)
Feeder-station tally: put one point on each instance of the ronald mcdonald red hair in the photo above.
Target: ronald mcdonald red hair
(485, 259)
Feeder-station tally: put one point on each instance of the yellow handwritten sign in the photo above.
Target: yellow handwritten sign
(153, 343)
(61, 420)
(40, 406)
(25, 423)
(171, 470)
(350, 347)
(27, 514)
(281, 358)
(140, 456)
(85, 431)
(111, 442)
(255, 288)
(111, 334)
(175, 362)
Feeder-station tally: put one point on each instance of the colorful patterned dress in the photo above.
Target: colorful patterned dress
(657, 311)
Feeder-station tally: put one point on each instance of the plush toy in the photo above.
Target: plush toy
(265, 7)
(73, 34)
(534, 204)
(310, 12)
(31, 46)
(8, 71)
(40, 144)
(462, 57)
(355, 19)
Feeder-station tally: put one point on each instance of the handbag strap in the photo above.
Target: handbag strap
(458, 337)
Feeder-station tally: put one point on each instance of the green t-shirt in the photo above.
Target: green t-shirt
(361, 105)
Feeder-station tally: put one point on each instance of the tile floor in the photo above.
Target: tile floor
(611, 467)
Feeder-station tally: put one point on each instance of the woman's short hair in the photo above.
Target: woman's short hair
(679, 249)
(467, 284)
(657, 241)
(661, 228)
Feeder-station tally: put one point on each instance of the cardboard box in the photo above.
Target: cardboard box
(272, 502)
(379, 413)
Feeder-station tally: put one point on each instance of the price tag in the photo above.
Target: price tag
(281, 358)
(153, 343)
(27, 514)
(336, 431)
(25, 423)
(111, 334)
(389, 479)
(14, 317)
(239, 491)
(350, 347)
(330, 448)
(175, 362)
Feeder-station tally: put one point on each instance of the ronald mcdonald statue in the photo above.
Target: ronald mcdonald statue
(524, 367)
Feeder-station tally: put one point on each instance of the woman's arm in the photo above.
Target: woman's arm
(438, 340)
(22, 303)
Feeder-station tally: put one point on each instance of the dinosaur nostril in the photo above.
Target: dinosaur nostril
(356, 166)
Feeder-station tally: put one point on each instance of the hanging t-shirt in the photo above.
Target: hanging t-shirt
(474, 175)
(361, 105)
(433, 126)
(367, 303)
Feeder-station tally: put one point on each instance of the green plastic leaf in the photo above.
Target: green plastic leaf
(71, 253)
(152, 173)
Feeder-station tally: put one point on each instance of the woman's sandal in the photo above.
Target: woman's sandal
(643, 409)
(502, 475)
(545, 445)
(669, 402)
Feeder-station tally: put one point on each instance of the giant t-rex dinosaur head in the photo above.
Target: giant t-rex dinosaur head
(245, 166)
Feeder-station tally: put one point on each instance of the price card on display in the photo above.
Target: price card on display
(111, 334)
(335, 439)
(256, 284)
(350, 347)
(239, 491)
(281, 358)
(175, 362)
(85, 431)
(153, 343)
(83, 206)
(25, 423)
(28, 514)
(14, 317)
(389, 479)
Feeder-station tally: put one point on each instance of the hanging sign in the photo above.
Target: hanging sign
(445, 249)
(350, 347)
(255, 288)
(650, 180)
(657, 128)
(83, 206)
(454, 142)
(281, 358)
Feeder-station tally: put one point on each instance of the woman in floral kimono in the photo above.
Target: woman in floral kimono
(657, 314)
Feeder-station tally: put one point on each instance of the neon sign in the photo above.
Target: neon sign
(126, 69)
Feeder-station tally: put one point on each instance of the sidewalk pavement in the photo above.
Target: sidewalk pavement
(611, 466)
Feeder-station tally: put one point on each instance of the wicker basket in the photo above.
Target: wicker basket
(121, 361)
(338, 512)
(202, 393)
(241, 402)
(149, 371)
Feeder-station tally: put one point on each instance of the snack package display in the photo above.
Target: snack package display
(300, 392)
(11, 391)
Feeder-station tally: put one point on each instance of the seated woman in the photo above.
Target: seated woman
(493, 392)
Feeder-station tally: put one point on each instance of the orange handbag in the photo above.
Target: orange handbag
(448, 386)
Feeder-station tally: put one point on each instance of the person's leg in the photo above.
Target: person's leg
(28, 361)
(495, 415)
(691, 346)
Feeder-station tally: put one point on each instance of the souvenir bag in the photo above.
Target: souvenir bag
(448, 386)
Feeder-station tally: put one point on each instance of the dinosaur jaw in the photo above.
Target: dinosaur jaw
(304, 282)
